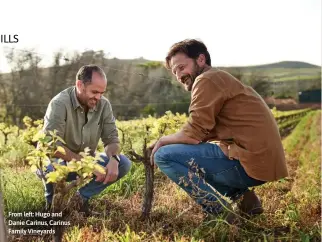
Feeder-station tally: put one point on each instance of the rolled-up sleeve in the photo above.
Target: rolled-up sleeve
(207, 99)
(55, 118)
(109, 133)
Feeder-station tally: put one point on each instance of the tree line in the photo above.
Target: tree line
(135, 87)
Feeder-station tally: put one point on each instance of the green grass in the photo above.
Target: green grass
(292, 141)
(307, 184)
(130, 184)
(305, 146)
(22, 190)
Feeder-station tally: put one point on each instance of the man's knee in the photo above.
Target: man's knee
(125, 164)
(163, 154)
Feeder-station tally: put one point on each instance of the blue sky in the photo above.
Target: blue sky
(247, 32)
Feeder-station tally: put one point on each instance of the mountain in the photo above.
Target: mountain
(282, 64)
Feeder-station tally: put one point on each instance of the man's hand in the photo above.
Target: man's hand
(177, 138)
(100, 177)
(155, 148)
(112, 170)
(225, 149)
(67, 155)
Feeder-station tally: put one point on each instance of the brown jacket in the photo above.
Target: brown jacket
(224, 109)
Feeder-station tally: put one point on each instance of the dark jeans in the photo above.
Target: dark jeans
(226, 176)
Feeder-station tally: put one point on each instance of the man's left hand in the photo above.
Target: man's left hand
(112, 170)
(155, 148)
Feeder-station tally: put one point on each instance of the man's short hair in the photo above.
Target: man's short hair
(85, 73)
(191, 47)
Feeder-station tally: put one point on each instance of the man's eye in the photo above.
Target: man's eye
(180, 68)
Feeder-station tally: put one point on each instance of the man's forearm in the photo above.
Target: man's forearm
(112, 149)
(68, 156)
(178, 138)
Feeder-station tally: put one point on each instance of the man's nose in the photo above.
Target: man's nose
(98, 96)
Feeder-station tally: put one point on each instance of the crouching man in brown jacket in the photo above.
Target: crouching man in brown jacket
(248, 150)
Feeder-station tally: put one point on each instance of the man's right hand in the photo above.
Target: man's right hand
(224, 148)
(100, 177)
(67, 155)
(149, 154)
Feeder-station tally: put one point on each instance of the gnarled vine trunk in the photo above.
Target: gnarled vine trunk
(148, 192)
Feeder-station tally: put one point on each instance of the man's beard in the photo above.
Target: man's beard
(83, 100)
(197, 71)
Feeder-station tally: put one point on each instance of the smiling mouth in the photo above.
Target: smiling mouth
(184, 80)
(93, 101)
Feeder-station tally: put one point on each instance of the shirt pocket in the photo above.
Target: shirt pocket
(96, 131)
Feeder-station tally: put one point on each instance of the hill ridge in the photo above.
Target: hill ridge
(280, 64)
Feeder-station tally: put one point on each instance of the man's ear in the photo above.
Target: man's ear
(201, 60)
(79, 84)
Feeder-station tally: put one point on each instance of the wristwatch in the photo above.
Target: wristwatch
(116, 157)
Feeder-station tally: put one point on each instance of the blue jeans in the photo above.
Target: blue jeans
(93, 187)
(227, 177)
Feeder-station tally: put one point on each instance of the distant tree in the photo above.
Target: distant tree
(148, 110)
(3, 98)
(236, 72)
(62, 73)
(26, 84)
(254, 78)
(260, 83)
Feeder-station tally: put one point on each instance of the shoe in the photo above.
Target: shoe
(250, 204)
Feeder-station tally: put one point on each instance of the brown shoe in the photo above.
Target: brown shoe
(250, 204)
